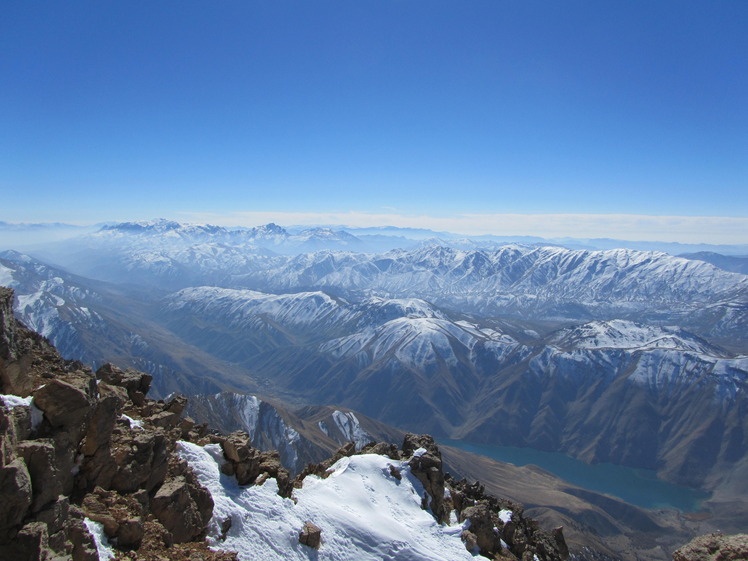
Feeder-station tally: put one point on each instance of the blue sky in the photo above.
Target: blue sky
(489, 115)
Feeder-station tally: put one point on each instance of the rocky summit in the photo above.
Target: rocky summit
(90, 468)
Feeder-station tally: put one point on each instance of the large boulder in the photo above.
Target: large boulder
(183, 507)
(310, 535)
(64, 405)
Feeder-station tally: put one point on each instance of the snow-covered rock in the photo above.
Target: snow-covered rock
(364, 512)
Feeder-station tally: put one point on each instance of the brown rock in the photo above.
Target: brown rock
(101, 424)
(15, 496)
(81, 541)
(310, 535)
(428, 469)
(482, 524)
(63, 404)
(32, 543)
(136, 383)
(176, 404)
(130, 532)
(142, 460)
(56, 515)
(40, 458)
(237, 447)
(183, 507)
(714, 547)
(97, 511)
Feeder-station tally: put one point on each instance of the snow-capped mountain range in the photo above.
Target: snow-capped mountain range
(604, 355)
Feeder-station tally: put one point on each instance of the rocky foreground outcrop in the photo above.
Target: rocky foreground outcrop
(83, 451)
(714, 547)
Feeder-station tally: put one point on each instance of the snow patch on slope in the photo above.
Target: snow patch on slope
(350, 428)
(6, 276)
(363, 511)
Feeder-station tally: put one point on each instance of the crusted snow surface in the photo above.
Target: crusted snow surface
(363, 511)
(103, 548)
(350, 428)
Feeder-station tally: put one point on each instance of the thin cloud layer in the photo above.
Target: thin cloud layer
(683, 229)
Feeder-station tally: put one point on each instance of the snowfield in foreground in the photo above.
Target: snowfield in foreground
(365, 513)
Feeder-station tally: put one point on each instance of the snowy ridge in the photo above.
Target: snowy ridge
(417, 342)
(623, 334)
(248, 308)
(514, 277)
(365, 513)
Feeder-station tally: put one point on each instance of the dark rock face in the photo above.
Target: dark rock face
(183, 506)
(427, 467)
(714, 547)
(83, 459)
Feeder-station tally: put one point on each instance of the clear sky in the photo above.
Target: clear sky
(496, 116)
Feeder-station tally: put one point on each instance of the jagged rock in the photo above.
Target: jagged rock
(136, 383)
(558, 537)
(311, 535)
(32, 543)
(714, 547)
(101, 424)
(383, 449)
(97, 511)
(40, 457)
(482, 523)
(394, 472)
(183, 507)
(63, 404)
(248, 463)
(15, 497)
(427, 467)
(176, 404)
(237, 447)
(80, 540)
(141, 459)
(164, 419)
(55, 515)
(8, 434)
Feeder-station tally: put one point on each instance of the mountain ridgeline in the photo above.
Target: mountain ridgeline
(622, 356)
(90, 469)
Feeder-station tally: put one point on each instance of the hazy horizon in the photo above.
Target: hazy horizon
(506, 118)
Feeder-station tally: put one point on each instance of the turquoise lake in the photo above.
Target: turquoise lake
(639, 487)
